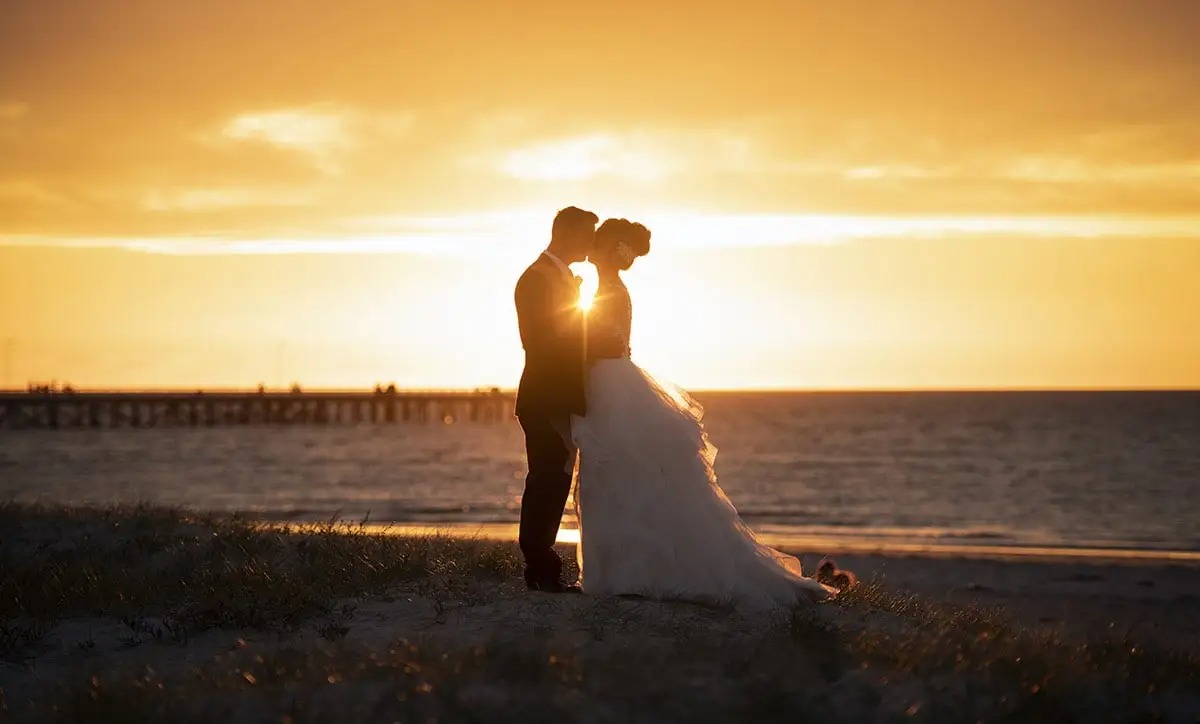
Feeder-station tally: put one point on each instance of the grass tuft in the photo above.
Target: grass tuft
(204, 572)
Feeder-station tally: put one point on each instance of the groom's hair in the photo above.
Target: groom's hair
(572, 217)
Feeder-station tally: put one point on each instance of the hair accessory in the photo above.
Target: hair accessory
(625, 253)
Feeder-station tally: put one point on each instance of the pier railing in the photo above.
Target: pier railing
(109, 409)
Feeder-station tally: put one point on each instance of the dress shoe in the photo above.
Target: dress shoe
(554, 587)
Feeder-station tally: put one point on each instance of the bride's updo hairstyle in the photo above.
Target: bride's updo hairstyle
(620, 242)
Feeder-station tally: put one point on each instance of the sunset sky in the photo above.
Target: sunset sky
(876, 194)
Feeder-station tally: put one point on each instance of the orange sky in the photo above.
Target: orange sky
(880, 194)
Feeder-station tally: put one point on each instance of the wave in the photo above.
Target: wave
(785, 524)
(974, 535)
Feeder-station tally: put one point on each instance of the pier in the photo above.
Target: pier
(55, 410)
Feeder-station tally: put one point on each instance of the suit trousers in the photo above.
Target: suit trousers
(551, 456)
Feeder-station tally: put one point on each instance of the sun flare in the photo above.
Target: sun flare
(587, 286)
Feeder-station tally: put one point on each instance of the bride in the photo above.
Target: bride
(652, 519)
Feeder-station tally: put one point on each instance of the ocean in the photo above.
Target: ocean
(1056, 469)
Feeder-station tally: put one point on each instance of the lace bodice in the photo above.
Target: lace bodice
(612, 310)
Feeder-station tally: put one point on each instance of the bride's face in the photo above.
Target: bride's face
(601, 257)
(605, 257)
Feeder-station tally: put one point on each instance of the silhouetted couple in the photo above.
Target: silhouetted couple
(653, 521)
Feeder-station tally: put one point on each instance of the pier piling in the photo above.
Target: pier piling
(77, 410)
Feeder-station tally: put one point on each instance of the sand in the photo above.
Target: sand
(488, 650)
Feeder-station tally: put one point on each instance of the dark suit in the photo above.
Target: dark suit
(553, 333)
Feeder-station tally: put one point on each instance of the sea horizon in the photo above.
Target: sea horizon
(185, 389)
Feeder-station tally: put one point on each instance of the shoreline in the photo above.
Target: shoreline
(795, 543)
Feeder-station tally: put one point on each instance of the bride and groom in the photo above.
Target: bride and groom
(653, 521)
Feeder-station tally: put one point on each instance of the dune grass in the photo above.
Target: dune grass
(204, 572)
(874, 655)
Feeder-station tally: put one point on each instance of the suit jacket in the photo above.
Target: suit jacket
(554, 335)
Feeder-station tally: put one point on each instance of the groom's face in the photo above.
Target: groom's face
(582, 242)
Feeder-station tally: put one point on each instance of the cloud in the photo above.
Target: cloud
(1070, 169)
(871, 173)
(586, 157)
(25, 191)
(1054, 107)
(507, 234)
(212, 199)
(13, 110)
(291, 129)
(650, 153)
(321, 135)
(325, 135)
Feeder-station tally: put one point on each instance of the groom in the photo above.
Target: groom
(554, 335)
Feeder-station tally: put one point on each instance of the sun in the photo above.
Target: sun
(587, 287)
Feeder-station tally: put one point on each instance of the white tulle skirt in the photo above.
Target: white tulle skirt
(652, 519)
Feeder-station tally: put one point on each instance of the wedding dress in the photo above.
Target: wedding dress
(653, 520)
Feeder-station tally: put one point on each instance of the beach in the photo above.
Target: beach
(144, 614)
